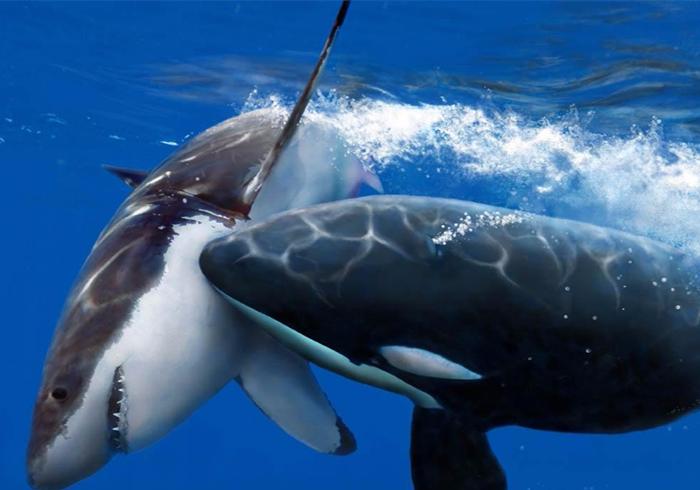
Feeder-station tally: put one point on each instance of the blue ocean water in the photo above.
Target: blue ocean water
(582, 110)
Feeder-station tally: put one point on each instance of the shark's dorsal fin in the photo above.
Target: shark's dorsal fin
(129, 176)
(253, 186)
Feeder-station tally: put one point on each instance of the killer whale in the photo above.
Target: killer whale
(483, 316)
(144, 340)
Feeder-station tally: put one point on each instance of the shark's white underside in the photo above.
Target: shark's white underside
(182, 344)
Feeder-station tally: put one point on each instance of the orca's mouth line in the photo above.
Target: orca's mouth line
(328, 358)
(116, 412)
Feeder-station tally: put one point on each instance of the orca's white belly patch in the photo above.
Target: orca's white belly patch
(425, 363)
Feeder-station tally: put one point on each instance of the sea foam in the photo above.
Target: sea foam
(639, 181)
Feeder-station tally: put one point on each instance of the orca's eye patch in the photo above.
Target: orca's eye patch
(59, 394)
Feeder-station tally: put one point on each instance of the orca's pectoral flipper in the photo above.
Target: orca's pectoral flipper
(129, 176)
(448, 454)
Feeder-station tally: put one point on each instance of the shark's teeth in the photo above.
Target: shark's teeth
(116, 412)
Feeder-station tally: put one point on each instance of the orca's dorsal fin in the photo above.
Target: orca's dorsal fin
(448, 454)
(253, 186)
(129, 176)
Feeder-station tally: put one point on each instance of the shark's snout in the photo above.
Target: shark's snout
(65, 461)
(74, 433)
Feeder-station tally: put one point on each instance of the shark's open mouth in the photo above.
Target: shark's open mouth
(116, 412)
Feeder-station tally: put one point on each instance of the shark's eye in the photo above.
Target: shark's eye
(59, 394)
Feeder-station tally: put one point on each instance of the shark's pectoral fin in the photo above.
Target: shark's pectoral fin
(447, 454)
(282, 385)
(129, 176)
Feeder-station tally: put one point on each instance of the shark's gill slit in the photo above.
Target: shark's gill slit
(116, 412)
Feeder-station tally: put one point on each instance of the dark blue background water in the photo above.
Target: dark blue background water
(584, 110)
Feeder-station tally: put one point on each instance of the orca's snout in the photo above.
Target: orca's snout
(260, 264)
(222, 263)
(242, 269)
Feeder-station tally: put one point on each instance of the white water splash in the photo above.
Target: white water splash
(468, 223)
(638, 182)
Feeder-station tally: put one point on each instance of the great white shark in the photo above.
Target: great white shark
(144, 339)
(483, 316)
